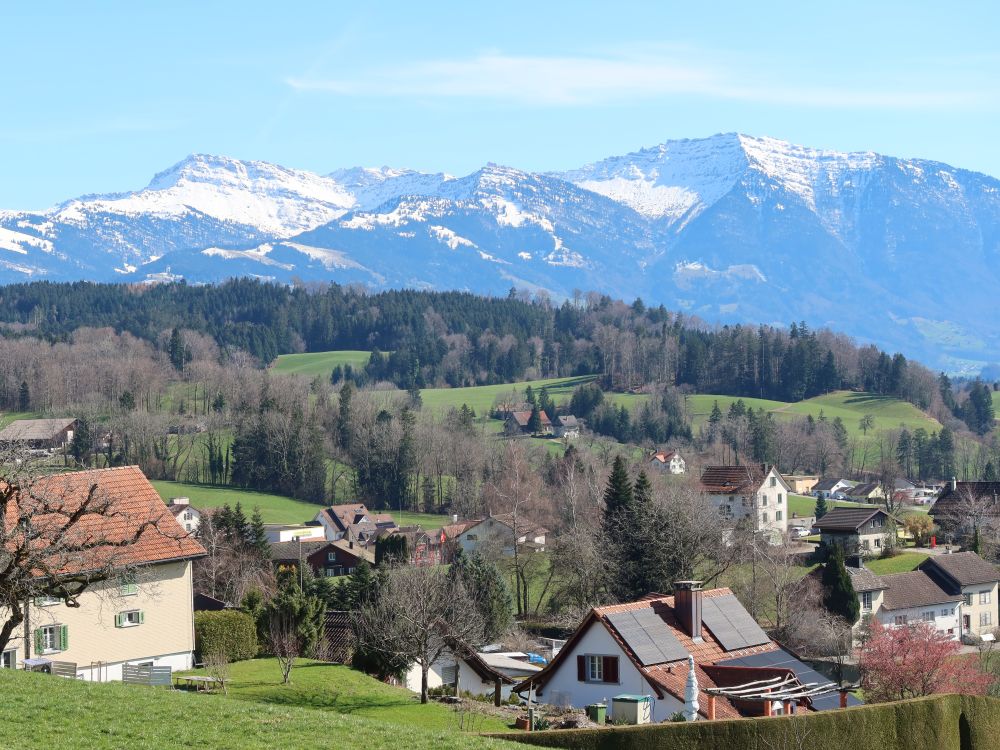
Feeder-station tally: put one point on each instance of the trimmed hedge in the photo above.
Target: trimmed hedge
(940, 722)
(229, 630)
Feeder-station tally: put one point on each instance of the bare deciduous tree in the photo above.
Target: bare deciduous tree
(419, 615)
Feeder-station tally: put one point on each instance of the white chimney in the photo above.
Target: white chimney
(179, 501)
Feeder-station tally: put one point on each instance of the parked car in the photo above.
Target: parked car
(798, 532)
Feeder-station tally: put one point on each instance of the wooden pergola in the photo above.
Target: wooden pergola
(787, 690)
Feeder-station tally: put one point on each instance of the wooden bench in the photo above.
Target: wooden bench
(64, 669)
(200, 682)
(133, 674)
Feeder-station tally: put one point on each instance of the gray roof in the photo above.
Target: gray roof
(824, 485)
(35, 429)
(914, 589)
(965, 568)
(292, 550)
(566, 420)
(864, 580)
(847, 519)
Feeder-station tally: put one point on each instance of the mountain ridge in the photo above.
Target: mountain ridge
(732, 228)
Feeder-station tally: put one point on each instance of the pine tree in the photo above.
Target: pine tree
(24, 397)
(820, 506)
(535, 420)
(176, 350)
(618, 493)
(488, 588)
(839, 596)
(81, 446)
(344, 415)
(716, 416)
(258, 535)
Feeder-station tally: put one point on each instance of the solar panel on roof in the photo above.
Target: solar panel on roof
(649, 637)
(730, 623)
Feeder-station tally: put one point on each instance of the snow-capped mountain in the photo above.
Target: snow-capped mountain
(731, 228)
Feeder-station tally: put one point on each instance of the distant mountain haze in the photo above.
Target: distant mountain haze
(732, 228)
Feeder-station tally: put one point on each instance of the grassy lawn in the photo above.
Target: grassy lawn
(901, 563)
(12, 416)
(889, 413)
(112, 716)
(482, 397)
(274, 508)
(803, 505)
(342, 690)
(428, 520)
(319, 363)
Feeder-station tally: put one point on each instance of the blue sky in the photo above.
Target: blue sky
(100, 96)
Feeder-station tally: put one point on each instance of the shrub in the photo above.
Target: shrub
(230, 632)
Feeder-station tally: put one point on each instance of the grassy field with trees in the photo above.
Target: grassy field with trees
(312, 364)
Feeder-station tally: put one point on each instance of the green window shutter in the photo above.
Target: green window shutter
(63, 637)
(39, 641)
(142, 617)
(118, 620)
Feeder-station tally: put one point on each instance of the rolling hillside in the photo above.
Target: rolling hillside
(319, 363)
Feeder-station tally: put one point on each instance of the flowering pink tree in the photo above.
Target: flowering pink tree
(907, 662)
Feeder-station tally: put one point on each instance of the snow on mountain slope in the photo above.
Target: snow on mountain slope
(373, 186)
(269, 198)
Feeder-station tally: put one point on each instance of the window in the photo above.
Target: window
(473, 537)
(51, 638)
(878, 544)
(985, 618)
(866, 600)
(967, 600)
(591, 668)
(188, 515)
(331, 557)
(46, 601)
(763, 499)
(945, 612)
(780, 498)
(127, 585)
(984, 597)
(901, 620)
(927, 616)
(864, 544)
(777, 515)
(129, 619)
(8, 659)
(449, 674)
(763, 517)
(774, 481)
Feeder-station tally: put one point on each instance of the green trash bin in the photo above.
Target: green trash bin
(597, 713)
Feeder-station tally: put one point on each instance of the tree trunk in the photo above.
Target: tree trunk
(423, 683)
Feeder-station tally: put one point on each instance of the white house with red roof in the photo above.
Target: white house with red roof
(143, 618)
(354, 522)
(754, 491)
(642, 648)
(668, 462)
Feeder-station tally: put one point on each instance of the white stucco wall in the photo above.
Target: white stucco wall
(943, 623)
(563, 688)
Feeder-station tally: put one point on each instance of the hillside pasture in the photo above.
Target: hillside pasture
(273, 508)
(312, 364)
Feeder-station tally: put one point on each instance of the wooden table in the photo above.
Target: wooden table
(199, 682)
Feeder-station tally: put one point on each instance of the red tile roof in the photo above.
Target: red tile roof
(667, 677)
(522, 417)
(132, 502)
(733, 480)
(663, 456)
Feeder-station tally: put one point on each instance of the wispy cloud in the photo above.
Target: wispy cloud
(581, 80)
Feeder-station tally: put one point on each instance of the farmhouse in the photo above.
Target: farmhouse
(832, 486)
(39, 434)
(865, 492)
(518, 423)
(642, 649)
(855, 530)
(566, 426)
(668, 462)
(145, 617)
(755, 491)
(353, 521)
(496, 533)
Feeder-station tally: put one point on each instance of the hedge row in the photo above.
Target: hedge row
(940, 722)
(230, 631)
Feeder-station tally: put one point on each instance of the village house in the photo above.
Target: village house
(900, 599)
(39, 434)
(962, 505)
(186, 514)
(325, 559)
(353, 521)
(284, 532)
(518, 423)
(866, 492)
(643, 650)
(144, 617)
(451, 533)
(855, 530)
(465, 671)
(832, 487)
(422, 547)
(968, 575)
(496, 534)
(566, 426)
(755, 491)
(668, 462)
(801, 484)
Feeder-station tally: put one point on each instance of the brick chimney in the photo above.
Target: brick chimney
(687, 607)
